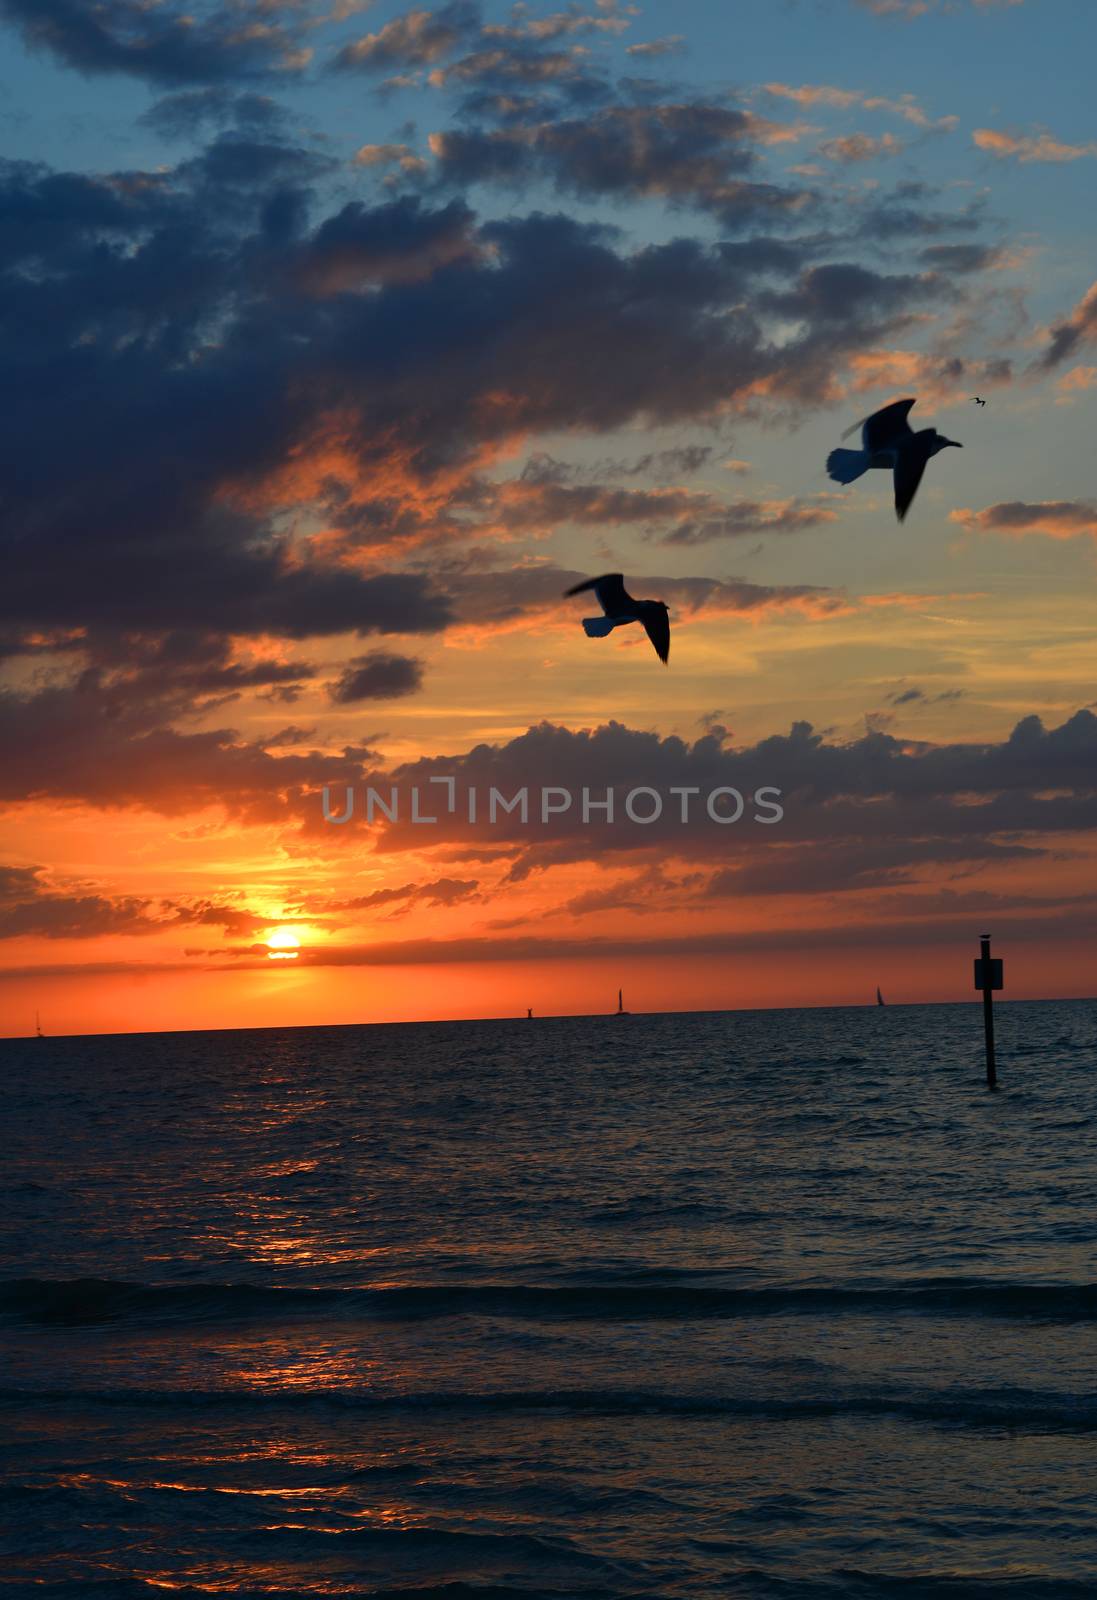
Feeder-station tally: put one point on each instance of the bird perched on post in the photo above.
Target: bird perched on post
(620, 607)
(887, 440)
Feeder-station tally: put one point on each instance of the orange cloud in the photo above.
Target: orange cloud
(1030, 147)
(1078, 381)
(1055, 519)
(826, 95)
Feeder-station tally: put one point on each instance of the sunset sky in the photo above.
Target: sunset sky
(342, 338)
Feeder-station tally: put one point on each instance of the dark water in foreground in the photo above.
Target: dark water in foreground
(755, 1304)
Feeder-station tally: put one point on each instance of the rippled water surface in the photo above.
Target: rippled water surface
(744, 1304)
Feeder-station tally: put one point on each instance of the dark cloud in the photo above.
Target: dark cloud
(29, 907)
(740, 518)
(180, 448)
(1074, 331)
(191, 112)
(962, 258)
(203, 41)
(377, 676)
(396, 243)
(496, 596)
(1058, 519)
(438, 892)
(859, 865)
(546, 497)
(235, 403)
(946, 803)
(911, 695)
(32, 907)
(98, 743)
(911, 211)
(687, 153)
(843, 291)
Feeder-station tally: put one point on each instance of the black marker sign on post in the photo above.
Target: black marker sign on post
(988, 977)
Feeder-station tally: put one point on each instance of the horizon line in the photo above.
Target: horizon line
(551, 1016)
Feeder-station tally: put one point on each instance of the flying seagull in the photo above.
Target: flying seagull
(620, 607)
(978, 401)
(888, 441)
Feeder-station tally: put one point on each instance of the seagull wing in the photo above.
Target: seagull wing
(610, 592)
(657, 627)
(888, 427)
(908, 475)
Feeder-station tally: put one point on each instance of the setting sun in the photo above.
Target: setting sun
(283, 945)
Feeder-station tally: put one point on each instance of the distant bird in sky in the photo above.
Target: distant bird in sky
(977, 400)
(888, 441)
(620, 607)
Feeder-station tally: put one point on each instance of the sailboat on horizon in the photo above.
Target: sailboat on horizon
(620, 1012)
(879, 997)
(38, 1034)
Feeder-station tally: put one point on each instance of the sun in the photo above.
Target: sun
(283, 945)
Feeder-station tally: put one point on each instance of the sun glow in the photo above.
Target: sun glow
(283, 945)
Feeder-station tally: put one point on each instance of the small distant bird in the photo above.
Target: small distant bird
(620, 607)
(977, 400)
(888, 441)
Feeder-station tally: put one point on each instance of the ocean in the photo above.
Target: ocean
(772, 1303)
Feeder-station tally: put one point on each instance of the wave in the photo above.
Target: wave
(748, 1584)
(1014, 1409)
(135, 1588)
(88, 1301)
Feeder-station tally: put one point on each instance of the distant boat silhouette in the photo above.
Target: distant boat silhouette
(38, 1034)
(529, 1013)
(620, 1012)
(879, 997)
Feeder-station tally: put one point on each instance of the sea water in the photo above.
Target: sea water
(774, 1303)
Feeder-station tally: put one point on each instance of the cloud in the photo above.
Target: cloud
(377, 676)
(401, 156)
(190, 112)
(854, 147)
(846, 292)
(439, 892)
(967, 258)
(862, 817)
(1078, 381)
(29, 907)
(909, 9)
(673, 44)
(1030, 147)
(207, 41)
(741, 518)
(95, 741)
(366, 368)
(361, 246)
(608, 18)
(1035, 782)
(546, 497)
(417, 38)
(1075, 330)
(687, 153)
(1057, 519)
(827, 97)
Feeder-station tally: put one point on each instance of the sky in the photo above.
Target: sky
(342, 338)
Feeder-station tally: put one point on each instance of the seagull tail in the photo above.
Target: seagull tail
(598, 627)
(844, 466)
